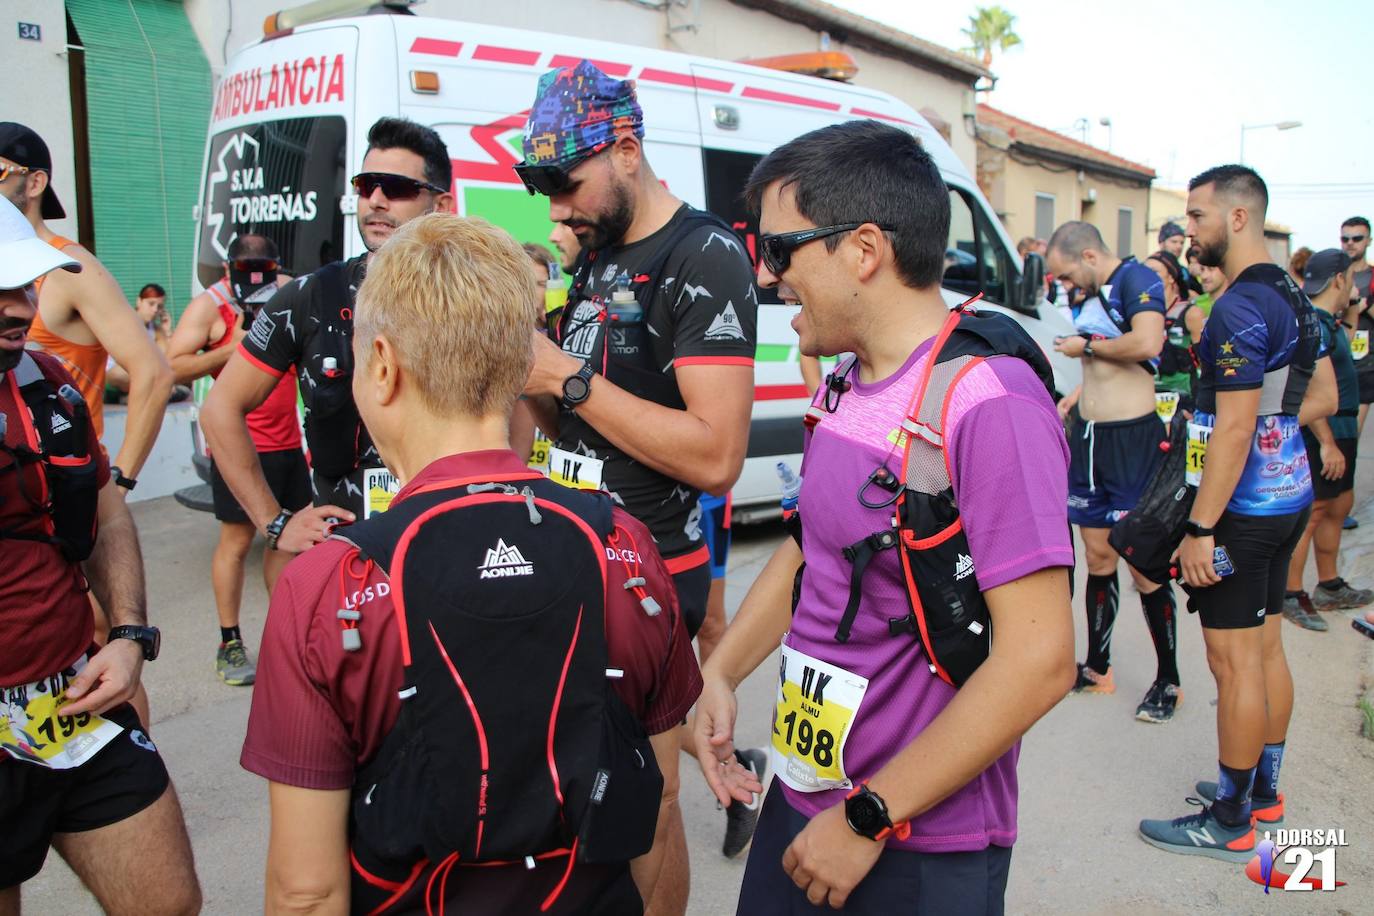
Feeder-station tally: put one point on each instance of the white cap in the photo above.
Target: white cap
(24, 257)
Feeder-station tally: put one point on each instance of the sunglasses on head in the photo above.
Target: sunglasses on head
(1354, 238)
(777, 249)
(253, 265)
(552, 179)
(394, 187)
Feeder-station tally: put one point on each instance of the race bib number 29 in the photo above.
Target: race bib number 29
(815, 711)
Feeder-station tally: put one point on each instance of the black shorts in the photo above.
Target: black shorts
(1321, 487)
(1110, 464)
(288, 478)
(1366, 380)
(693, 590)
(926, 883)
(123, 778)
(1260, 547)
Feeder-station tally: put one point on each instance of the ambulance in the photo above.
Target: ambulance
(289, 127)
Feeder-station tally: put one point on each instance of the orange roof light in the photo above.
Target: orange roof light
(830, 65)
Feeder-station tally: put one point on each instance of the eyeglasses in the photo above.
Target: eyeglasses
(7, 170)
(550, 179)
(253, 265)
(394, 187)
(1344, 238)
(777, 249)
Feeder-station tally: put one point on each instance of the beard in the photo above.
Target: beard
(10, 358)
(1212, 253)
(611, 224)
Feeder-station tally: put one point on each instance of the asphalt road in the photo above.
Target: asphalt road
(1088, 771)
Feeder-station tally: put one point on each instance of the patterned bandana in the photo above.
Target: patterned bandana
(579, 111)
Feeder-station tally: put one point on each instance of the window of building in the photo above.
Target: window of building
(1044, 215)
(1124, 218)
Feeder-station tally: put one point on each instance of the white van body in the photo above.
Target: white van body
(289, 128)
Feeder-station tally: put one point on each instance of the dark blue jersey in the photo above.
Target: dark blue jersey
(1132, 289)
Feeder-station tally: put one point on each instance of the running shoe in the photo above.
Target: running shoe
(1089, 681)
(1298, 609)
(1268, 812)
(741, 818)
(233, 665)
(1349, 524)
(1201, 834)
(1160, 702)
(1341, 598)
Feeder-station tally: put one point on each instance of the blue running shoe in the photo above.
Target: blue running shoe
(1201, 834)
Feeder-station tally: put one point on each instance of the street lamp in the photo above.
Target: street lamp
(1279, 125)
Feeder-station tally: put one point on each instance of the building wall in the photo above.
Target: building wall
(1012, 187)
(720, 29)
(36, 94)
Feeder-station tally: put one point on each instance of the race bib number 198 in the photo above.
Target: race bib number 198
(815, 711)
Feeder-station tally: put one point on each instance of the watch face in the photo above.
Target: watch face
(864, 816)
(576, 389)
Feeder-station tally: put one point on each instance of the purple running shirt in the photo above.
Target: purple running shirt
(1010, 473)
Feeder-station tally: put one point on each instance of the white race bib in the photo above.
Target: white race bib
(379, 486)
(1166, 404)
(580, 472)
(1198, 437)
(814, 714)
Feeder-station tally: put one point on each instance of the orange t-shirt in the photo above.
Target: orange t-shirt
(85, 362)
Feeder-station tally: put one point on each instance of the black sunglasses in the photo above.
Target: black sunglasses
(394, 187)
(1353, 238)
(549, 179)
(777, 249)
(253, 265)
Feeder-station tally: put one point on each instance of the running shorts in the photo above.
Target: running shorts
(1260, 547)
(1110, 464)
(693, 590)
(715, 524)
(123, 778)
(1321, 487)
(901, 882)
(288, 478)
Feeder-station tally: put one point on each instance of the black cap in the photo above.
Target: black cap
(22, 146)
(1321, 267)
(1169, 230)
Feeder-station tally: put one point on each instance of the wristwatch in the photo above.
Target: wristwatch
(120, 480)
(577, 388)
(276, 527)
(150, 638)
(866, 813)
(1196, 530)
(1088, 349)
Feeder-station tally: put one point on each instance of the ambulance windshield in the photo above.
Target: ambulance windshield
(281, 179)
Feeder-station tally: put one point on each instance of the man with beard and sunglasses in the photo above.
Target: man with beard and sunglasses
(307, 326)
(212, 325)
(645, 380)
(1257, 356)
(1355, 243)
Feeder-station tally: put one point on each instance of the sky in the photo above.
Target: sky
(1178, 86)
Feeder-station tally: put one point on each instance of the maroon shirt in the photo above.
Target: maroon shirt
(45, 616)
(320, 712)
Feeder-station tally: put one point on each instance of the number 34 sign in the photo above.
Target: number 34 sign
(1284, 860)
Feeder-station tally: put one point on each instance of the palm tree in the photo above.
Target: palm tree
(990, 28)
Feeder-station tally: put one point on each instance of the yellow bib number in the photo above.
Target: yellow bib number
(1166, 404)
(1359, 345)
(539, 451)
(380, 486)
(34, 730)
(816, 706)
(1198, 436)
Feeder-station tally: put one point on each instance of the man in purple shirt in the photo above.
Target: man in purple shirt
(936, 764)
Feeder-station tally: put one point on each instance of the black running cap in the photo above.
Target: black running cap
(1322, 267)
(20, 145)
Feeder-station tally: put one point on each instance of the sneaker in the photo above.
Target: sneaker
(233, 665)
(740, 819)
(1340, 598)
(1349, 524)
(1089, 681)
(1160, 702)
(1298, 609)
(1267, 812)
(1201, 834)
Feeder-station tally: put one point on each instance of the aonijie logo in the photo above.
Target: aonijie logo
(505, 560)
(1310, 854)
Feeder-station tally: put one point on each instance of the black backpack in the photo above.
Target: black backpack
(1150, 533)
(511, 744)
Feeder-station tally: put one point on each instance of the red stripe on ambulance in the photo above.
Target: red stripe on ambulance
(436, 46)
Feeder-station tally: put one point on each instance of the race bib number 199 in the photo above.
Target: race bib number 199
(33, 729)
(815, 711)
(1198, 436)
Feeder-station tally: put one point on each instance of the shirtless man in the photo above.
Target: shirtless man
(1114, 446)
(83, 318)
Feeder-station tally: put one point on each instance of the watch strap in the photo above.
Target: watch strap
(276, 527)
(120, 480)
(146, 637)
(1198, 530)
(585, 373)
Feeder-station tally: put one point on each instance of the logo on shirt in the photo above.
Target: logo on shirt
(505, 560)
(60, 424)
(142, 740)
(725, 326)
(963, 567)
(262, 330)
(582, 341)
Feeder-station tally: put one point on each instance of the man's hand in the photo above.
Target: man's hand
(827, 860)
(713, 738)
(1195, 554)
(1333, 461)
(551, 367)
(1072, 346)
(309, 526)
(113, 673)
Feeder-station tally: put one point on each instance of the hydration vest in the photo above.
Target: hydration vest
(56, 424)
(946, 611)
(511, 744)
(333, 428)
